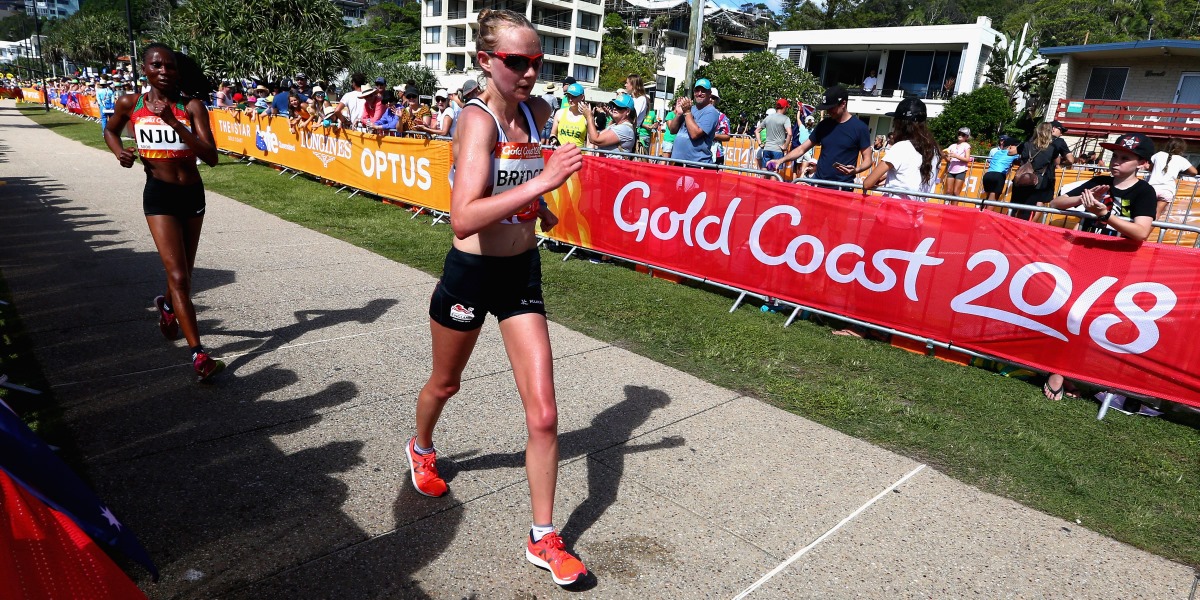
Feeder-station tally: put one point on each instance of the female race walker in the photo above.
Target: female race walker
(170, 125)
(499, 178)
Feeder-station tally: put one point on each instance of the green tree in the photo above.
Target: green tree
(392, 32)
(395, 73)
(985, 111)
(88, 39)
(16, 27)
(621, 58)
(752, 84)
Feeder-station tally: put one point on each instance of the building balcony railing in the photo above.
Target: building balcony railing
(593, 1)
(458, 41)
(1154, 119)
(544, 76)
(585, 52)
(557, 23)
(457, 14)
(594, 26)
(555, 51)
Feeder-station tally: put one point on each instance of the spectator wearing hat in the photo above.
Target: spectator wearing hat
(959, 154)
(459, 99)
(998, 165)
(912, 161)
(352, 104)
(778, 138)
(144, 84)
(620, 135)
(260, 105)
(387, 122)
(318, 103)
(552, 101)
(374, 104)
(695, 124)
(1057, 130)
(302, 86)
(442, 120)
(1122, 204)
(569, 125)
(844, 139)
(412, 112)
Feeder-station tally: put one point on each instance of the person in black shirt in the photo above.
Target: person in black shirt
(1123, 205)
(1045, 152)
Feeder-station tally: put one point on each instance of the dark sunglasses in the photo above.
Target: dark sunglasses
(410, 96)
(519, 63)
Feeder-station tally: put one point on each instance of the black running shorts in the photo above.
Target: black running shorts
(474, 285)
(172, 199)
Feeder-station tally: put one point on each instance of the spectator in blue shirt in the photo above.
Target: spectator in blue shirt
(845, 141)
(695, 125)
(999, 163)
(279, 104)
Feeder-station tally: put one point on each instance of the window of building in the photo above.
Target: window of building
(433, 60)
(586, 47)
(585, 73)
(554, 45)
(589, 21)
(433, 8)
(664, 86)
(920, 73)
(433, 35)
(1106, 83)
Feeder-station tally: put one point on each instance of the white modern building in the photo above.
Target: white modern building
(932, 62)
(570, 32)
(354, 12)
(27, 48)
(52, 9)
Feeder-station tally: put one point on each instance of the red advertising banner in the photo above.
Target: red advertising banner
(1092, 307)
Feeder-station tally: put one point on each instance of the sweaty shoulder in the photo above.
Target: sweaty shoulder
(475, 125)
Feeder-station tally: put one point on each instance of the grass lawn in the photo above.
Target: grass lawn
(1135, 479)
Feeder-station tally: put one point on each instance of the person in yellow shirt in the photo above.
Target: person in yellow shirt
(570, 126)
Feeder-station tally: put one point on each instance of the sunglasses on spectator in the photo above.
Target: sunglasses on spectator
(519, 63)
(410, 96)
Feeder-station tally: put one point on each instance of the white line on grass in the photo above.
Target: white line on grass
(814, 543)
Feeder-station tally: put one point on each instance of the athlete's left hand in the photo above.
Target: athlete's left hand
(549, 219)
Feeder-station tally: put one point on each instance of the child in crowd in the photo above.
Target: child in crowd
(1165, 169)
(959, 154)
(998, 165)
(911, 163)
(1122, 204)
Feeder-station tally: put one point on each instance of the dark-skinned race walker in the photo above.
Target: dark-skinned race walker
(171, 130)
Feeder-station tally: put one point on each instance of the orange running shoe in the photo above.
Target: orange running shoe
(424, 471)
(550, 554)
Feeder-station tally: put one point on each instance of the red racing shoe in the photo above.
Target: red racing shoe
(550, 553)
(424, 471)
(168, 324)
(206, 366)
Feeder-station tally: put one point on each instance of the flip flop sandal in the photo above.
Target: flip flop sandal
(1055, 394)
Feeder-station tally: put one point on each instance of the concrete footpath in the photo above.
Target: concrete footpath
(286, 477)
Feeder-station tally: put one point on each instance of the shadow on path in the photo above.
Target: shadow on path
(611, 429)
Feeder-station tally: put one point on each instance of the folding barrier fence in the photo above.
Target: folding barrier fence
(1102, 309)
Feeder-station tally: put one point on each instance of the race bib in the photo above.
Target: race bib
(157, 136)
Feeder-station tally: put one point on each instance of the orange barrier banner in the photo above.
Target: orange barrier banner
(33, 95)
(412, 170)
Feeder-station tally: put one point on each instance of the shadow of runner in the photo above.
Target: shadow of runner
(384, 566)
(306, 321)
(612, 427)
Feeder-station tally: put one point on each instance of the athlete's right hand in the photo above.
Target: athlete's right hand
(127, 157)
(564, 162)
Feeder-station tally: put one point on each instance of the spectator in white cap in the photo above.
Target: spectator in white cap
(959, 154)
(443, 117)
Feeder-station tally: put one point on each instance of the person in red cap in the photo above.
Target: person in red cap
(1122, 205)
(779, 134)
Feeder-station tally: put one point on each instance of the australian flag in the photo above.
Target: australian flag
(33, 465)
(259, 142)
